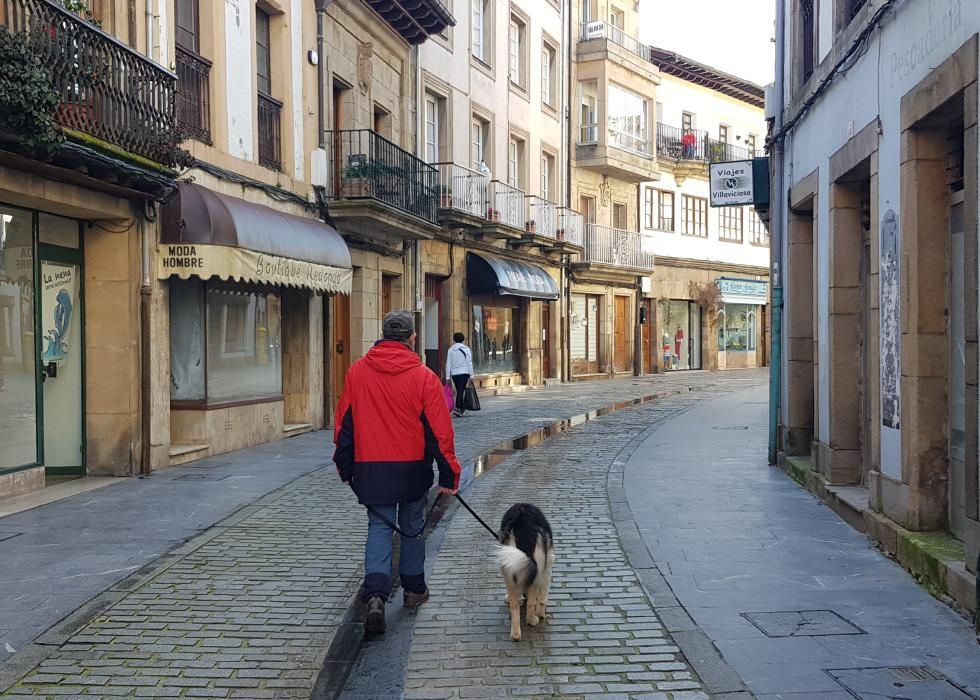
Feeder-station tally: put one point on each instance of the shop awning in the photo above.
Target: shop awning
(206, 234)
(490, 274)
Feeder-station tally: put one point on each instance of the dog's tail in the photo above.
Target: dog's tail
(516, 565)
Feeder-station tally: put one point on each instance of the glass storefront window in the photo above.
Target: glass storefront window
(681, 336)
(494, 342)
(737, 322)
(236, 331)
(18, 399)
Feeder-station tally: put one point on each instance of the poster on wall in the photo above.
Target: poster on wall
(890, 330)
(57, 304)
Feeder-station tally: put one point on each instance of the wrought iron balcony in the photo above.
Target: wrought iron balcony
(542, 217)
(507, 205)
(691, 144)
(604, 30)
(571, 227)
(194, 94)
(105, 89)
(463, 189)
(365, 165)
(270, 132)
(617, 248)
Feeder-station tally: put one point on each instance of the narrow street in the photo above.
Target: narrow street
(679, 573)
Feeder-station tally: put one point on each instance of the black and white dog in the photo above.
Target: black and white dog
(526, 554)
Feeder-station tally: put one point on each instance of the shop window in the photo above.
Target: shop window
(225, 342)
(681, 336)
(736, 325)
(18, 407)
(494, 339)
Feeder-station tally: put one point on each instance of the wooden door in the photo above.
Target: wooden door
(620, 330)
(340, 345)
(546, 339)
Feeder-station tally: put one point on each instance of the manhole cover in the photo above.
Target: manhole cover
(901, 682)
(801, 623)
(730, 427)
(200, 477)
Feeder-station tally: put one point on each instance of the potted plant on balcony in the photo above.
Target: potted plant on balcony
(531, 226)
(357, 178)
(446, 198)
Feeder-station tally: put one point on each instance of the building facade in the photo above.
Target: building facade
(493, 89)
(877, 243)
(613, 91)
(704, 115)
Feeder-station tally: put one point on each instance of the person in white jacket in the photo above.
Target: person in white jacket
(459, 369)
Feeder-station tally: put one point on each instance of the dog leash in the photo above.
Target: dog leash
(478, 518)
(425, 523)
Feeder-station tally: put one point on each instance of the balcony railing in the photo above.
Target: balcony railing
(719, 152)
(617, 247)
(507, 205)
(571, 227)
(690, 144)
(194, 94)
(463, 189)
(270, 132)
(604, 30)
(542, 217)
(105, 88)
(365, 165)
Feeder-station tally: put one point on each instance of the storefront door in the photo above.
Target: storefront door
(546, 339)
(60, 366)
(620, 331)
(341, 342)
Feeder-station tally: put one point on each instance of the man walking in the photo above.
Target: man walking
(459, 369)
(392, 422)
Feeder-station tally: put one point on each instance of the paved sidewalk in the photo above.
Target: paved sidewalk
(603, 637)
(798, 602)
(245, 609)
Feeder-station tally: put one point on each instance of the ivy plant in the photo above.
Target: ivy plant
(28, 100)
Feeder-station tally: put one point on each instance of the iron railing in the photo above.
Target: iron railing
(507, 205)
(270, 132)
(463, 189)
(719, 152)
(105, 88)
(365, 165)
(690, 144)
(542, 217)
(617, 247)
(604, 30)
(194, 94)
(571, 227)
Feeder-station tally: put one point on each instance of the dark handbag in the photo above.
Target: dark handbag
(471, 401)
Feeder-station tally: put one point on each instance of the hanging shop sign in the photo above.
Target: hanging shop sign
(740, 182)
(228, 263)
(743, 291)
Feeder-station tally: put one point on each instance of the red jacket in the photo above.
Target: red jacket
(392, 422)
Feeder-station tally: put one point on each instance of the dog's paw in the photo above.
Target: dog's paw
(533, 620)
(515, 637)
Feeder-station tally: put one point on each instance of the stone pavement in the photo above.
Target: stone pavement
(799, 603)
(603, 637)
(244, 609)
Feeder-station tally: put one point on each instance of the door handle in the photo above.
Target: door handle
(340, 348)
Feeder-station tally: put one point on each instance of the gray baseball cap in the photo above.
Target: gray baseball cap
(398, 325)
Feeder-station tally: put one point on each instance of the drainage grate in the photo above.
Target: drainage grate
(802, 623)
(905, 682)
(200, 477)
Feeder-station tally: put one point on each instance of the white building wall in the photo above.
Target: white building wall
(240, 86)
(711, 110)
(915, 38)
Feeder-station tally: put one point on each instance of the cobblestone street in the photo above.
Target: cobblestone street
(247, 608)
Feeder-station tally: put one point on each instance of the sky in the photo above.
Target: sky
(734, 36)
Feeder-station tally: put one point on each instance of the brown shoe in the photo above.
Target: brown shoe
(374, 622)
(413, 600)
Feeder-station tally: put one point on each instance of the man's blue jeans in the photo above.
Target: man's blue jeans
(377, 551)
